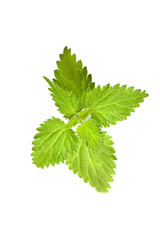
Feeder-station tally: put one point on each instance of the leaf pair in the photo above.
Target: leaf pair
(88, 151)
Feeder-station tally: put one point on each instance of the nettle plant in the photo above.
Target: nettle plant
(88, 151)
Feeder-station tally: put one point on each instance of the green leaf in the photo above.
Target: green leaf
(66, 101)
(53, 143)
(90, 131)
(111, 104)
(72, 76)
(95, 167)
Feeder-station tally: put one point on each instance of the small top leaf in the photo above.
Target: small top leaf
(72, 76)
(90, 131)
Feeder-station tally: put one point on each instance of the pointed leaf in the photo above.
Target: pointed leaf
(72, 76)
(66, 101)
(53, 143)
(111, 104)
(95, 167)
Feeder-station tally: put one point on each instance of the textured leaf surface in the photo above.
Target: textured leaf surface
(66, 101)
(53, 143)
(111, 104)
(90, 131)
(95, 167)
(72, 76)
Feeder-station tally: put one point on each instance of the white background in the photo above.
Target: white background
(119, 42)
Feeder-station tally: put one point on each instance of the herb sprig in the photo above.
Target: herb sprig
(88, 151)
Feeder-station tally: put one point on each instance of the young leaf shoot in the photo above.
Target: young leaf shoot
(88, 150)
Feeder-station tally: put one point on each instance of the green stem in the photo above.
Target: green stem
(78, 118)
